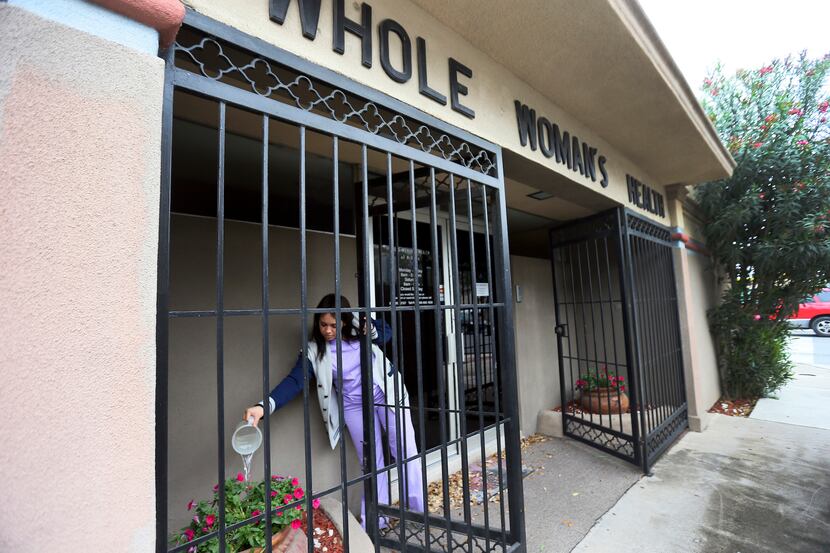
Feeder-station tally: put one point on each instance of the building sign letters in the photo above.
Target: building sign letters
(400, 70)
(645, 197)
(579, 156)
(568, 150)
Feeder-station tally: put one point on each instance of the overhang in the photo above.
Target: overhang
(602, 62)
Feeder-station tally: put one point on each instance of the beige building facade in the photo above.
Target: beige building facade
(110, 172)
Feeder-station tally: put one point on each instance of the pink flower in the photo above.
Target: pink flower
(189, 534)
(757, 145)
(240, 477)
(196, 520)
(764, 70)
(295, 524)
(190, 505)
(295, 482)
(287, 499)
(298, 493)
(273, 493)
(205, 530)
(216, 487)
(757, 317)
(191, 549)
(707, 82)
(822, 107)
(276, 477)
(209, 520)
(770, 118)
(795, 111)
(256, 512)
(802, 142)
(823, 119)
(761, 196)
(316, 503)
(279, 513)
(299, 507)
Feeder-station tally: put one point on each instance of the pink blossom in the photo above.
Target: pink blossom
(210, 519)
(764, 70)
(190, 504)
(823, 119)
(255, 512)
(205, 530)
(279, 513)
(770, 118)
(802, 142)
(298, 493)
(196, 520)
(757, 317)
(707, 81)
(757, 145)
(795, 111)
(295, 524)
(299, 507)
(761, 196)
(822, 107)
(316, 503)
(191, 549)
(189, 534)
(276, 477)
(295, 482)
(273, 493)
(216, 487)
(287, 499)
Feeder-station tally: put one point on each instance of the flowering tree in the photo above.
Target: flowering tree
(769, 224)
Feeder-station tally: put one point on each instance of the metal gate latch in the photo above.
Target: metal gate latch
(561, 330)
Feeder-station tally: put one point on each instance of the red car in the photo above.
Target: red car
(814, 313)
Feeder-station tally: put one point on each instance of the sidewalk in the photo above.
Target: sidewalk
(744, 485)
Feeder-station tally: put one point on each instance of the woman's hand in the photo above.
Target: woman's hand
(256, 412)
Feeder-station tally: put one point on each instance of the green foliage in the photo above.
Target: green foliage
(769, 224)
(243, 500)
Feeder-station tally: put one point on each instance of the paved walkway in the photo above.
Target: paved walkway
(743, 486)
(805, 400)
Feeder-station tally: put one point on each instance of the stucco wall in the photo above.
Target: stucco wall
(79, 162)
(537, 365)
(704, 290)
(192, 370)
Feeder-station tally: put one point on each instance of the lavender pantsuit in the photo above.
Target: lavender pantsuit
(385, 420)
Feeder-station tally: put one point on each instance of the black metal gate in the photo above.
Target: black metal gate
(618, 334)
(290, 145)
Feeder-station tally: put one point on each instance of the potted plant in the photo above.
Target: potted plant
(602, 393)
(244, 500)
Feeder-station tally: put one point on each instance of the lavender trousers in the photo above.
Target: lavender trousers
(385, 419)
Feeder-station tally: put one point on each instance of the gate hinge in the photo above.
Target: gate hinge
(561, 330)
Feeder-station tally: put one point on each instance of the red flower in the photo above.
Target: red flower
(316, 503)
(273, 493)
(190, 505)
(295, 482)
(255, 512)
(764, 70)
(761, 196)
(216, 487)
(189, 534)
(764, 127)
(795, 111)
(240, 477)
(287, 499)
(210, 519)
(802, 142)
(757, 145)
(295, 524)
(205, 530)
(757, 317)
(279, 513)
(770, 118)
(298, 493)
(823, 119)
(822, 107)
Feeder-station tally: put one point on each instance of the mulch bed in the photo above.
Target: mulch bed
(734, 407)
(326, 537)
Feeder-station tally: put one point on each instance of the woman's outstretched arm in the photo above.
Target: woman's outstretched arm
(288, 388)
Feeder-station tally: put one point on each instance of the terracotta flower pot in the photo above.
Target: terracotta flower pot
(604, 401)
(287, 540)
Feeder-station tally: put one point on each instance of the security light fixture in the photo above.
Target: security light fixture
(540, 195)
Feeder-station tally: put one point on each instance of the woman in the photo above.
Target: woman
(322, 365)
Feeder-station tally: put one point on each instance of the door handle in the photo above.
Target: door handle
(561, 330)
